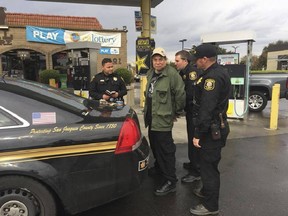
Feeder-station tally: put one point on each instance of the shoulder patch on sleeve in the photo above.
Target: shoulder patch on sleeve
(209, 84)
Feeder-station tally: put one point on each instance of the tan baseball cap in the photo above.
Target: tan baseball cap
(159, 51)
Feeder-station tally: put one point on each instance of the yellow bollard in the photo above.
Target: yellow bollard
(143, 82)
(52, 83)
(275, 107)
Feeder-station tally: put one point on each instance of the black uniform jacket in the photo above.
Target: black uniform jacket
(211, 98)
(189, 75)
(101, 83)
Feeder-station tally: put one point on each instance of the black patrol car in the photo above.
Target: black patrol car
(60, 151)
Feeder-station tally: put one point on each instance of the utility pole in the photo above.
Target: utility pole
(235, 48)
(182, 41)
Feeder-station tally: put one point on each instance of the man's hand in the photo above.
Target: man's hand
(196, 142)
(106, 97)
(115, 95)
(176, 117)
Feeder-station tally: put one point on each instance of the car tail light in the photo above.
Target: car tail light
(129, 135)
(287, 83)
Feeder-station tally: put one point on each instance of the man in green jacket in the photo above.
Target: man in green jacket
(165, 100)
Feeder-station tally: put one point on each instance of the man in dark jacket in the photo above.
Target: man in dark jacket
(211, 127)
(189, 75)
(106, 84)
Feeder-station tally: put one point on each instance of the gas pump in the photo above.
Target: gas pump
(81, 72)
(84, 56)
(236, 107)
(81, 80)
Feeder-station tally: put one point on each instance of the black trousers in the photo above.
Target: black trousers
(210, 177)
(163, 149)
(210, 156)
(193, 152)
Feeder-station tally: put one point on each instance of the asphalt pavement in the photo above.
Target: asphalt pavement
(254, 177)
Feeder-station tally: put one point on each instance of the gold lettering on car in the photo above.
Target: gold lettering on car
(57, 130)
(86, 127)
(111, 125)
(99, 126)
(70, 129)
(40, 131)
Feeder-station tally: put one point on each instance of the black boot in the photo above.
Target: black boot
(201, 210)
(189, 178)
(167, 187)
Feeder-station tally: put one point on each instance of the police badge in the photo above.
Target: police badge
(193, 75)
(209, 84)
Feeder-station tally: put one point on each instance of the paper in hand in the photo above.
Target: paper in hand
(110, 92)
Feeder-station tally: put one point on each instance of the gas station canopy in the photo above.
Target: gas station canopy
(229, 37)
(133, 3)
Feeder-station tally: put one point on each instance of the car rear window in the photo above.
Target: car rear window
(10, 120)
(45, 93)
(6, 121)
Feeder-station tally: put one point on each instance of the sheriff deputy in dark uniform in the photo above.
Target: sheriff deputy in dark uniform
(107, 85)
(211, 127)
(189, 74)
